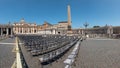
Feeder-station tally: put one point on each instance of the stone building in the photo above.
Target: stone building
(116, 30)
(60, 28)
(24, 28)
(106, 31)
(6, 30)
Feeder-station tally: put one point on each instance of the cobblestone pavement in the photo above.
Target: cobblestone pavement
(99, 53)
(7, 57)
(93, 53)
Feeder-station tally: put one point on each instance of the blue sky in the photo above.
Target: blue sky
(95, 12)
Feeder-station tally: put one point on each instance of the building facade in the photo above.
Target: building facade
(6, 29)
(24, 27)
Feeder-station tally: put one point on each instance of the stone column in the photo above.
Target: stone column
(7, 31)
(1, 32)
(19, 30)
(11, 31)
(16, 30)
(28, 30)
(33, 30)
(22, 30)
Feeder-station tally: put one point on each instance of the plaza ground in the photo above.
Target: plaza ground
(7, 57)
(93, 53)
(99, 53)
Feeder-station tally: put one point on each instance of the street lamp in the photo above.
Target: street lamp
(86, 25)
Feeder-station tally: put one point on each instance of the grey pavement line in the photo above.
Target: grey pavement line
(10, 43)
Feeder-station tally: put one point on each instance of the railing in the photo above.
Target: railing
(71, 58)
(23, 62)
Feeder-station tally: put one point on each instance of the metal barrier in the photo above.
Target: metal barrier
(19, 61)
(71, 58)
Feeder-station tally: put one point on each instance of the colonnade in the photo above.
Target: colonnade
(22, 30)
(6, 31)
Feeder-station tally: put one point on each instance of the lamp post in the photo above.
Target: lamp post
(86, 25)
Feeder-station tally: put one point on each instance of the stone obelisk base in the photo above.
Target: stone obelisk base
(69, 32)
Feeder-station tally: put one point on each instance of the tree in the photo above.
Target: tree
(96, 26)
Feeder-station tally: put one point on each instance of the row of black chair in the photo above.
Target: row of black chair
(49, 46)
(43, 44)
(57, 53)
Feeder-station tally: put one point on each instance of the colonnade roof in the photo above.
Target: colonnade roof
(6, 25)
(116, 26)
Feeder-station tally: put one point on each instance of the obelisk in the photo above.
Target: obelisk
(69, 18)
(69, 31)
